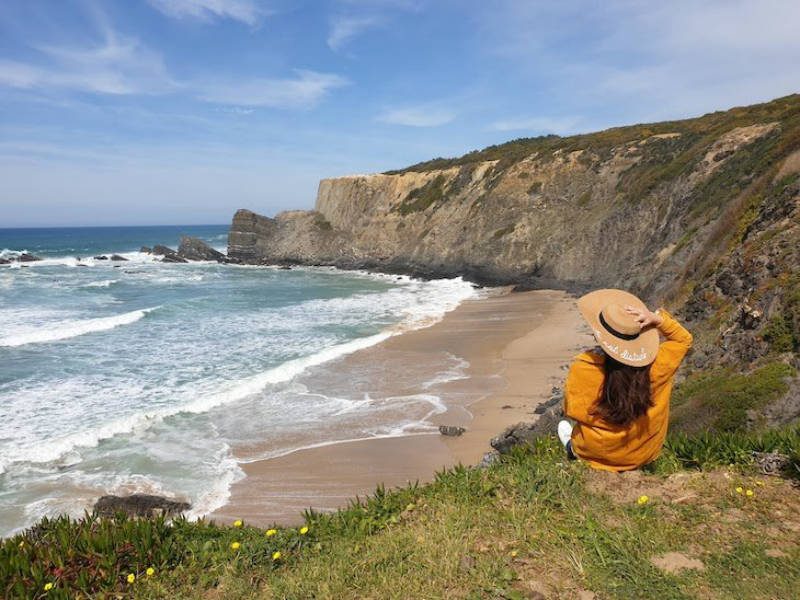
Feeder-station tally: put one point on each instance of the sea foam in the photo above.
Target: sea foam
(71, 329)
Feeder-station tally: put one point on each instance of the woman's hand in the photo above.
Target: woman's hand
(644, 317)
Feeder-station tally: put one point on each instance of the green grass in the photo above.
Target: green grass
(720, 398)
(532, 522)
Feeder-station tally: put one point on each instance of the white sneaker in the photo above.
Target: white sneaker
(564, 432)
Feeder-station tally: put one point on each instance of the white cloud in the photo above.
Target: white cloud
(118, 65)
(558, 125)
(417, 116)
(305, 90)
(345, 28)
(245, 11)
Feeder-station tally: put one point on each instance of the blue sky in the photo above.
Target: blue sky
(182, 111)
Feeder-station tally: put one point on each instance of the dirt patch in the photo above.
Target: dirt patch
(672, 562)
(624, 488)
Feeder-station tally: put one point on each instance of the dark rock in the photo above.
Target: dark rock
(526, 433)
(451, 430)
(194, 249)
(771, 463)
(168, 254)
(26, 257)
(146, 250)
(4, 261)
(285, 268)
(101, 257)
(118, 258)
(139, 505)
(488, 459)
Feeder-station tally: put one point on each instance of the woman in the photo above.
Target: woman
(618, 394)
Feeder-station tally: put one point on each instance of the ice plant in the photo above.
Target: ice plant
(150, 571)
(271, 532)
(235, 545)
(131, 577)
(238, 523)
(642, 500)
(303, 530)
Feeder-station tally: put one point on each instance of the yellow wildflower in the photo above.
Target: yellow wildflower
(150, 571)
(22, 544)
(48, 586)
(235, 545)
(759, 483)
(131, 577)
(642, 500)
(271, 532)
(750, 493)
(739, 489)
(513, 554)
(303, 530)
(276, 555)
(238, 523)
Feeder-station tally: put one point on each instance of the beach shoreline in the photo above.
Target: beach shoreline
(516, 345)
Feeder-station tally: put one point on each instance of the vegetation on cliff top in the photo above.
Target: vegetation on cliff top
(707, 127)
(531, 524)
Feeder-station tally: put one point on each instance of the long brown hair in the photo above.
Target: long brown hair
(626, 393)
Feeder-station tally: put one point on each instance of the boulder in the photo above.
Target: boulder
(168, 254)
(451, 430)
(101, 257)
(526, 433)
(194, 249)
(139, 505)
(4, 261)
(117, 257)
(146, 250)
(26, 257)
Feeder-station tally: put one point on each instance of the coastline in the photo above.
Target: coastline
(516, 345)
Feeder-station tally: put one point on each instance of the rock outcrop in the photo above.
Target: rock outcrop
(195, 249)
(139, 505)
(168, 255)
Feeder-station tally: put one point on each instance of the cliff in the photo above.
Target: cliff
(701, 213)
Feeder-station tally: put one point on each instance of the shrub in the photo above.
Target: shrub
(720, 398)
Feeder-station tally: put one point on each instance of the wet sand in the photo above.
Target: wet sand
(517, 345)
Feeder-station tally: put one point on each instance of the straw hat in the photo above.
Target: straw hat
(617, 332)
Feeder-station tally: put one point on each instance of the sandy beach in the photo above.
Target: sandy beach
(517, 346)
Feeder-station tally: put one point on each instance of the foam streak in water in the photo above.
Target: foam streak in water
(70, 329)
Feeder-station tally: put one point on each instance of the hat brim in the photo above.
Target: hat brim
(639, 352)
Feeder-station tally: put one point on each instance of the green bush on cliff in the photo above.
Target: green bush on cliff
(720, 398)
(423, 197)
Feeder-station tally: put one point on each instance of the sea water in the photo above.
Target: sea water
(142, 376)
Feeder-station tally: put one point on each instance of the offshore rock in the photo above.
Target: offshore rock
(118, 258)
(26, 257)
(139, 505)
(192, 248)
(168, 255)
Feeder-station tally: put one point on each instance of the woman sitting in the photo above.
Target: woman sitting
(619, 393)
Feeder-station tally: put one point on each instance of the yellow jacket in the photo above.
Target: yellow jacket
(611, 447)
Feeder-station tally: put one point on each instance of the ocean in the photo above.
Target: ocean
(142, 376)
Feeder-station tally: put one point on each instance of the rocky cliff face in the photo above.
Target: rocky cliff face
(702, 213)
